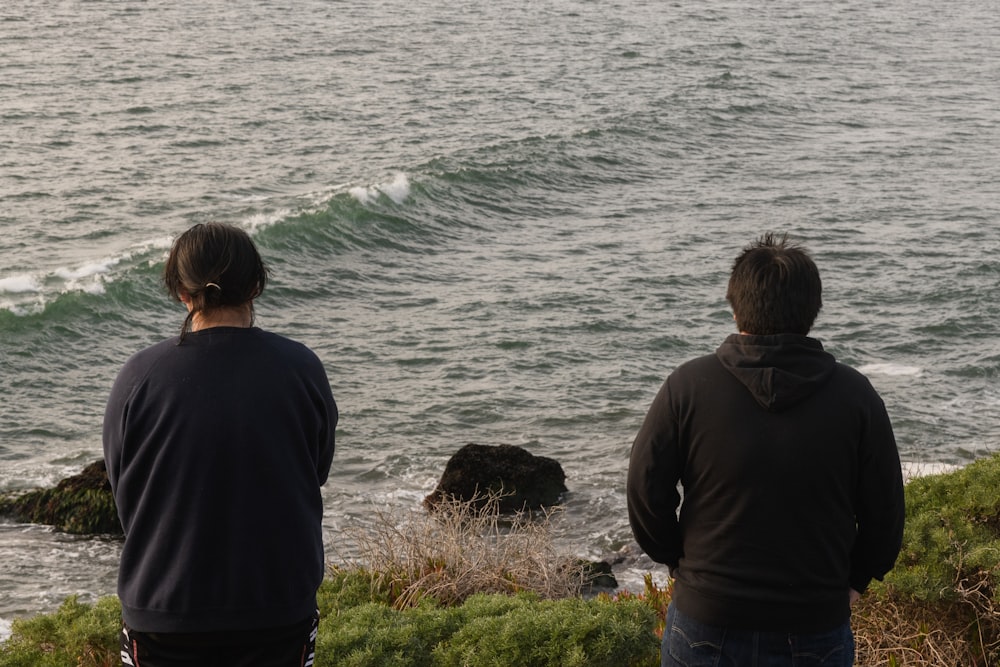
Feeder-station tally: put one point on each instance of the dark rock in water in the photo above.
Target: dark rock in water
(522, 480)
(598, 575)
(82, 504)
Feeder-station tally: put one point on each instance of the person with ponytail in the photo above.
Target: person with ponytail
(217, 442)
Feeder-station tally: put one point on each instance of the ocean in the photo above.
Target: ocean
(501, 223)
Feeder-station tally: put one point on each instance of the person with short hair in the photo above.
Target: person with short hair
(792, 488)
(217, 442)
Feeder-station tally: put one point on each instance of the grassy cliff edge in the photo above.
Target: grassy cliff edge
(939, 606)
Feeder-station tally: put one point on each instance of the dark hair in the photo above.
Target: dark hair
(775, 288)
(217, 266)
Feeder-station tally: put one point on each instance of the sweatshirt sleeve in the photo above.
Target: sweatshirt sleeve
(654, 470)
(112, 434)
(115, 415)
(328, 436)
(879, 508)
(327, 414)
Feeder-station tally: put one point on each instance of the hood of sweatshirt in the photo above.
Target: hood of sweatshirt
(779, 370)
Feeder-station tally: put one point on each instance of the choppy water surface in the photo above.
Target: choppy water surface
(498, 223)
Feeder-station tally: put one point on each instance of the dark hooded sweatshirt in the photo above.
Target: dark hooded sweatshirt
(791, 482)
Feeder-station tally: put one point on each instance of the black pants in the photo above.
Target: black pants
(291, 646)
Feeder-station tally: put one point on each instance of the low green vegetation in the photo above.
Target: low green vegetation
(952, 542)
(941, 603)
(484, 630)
(940, 606)
(361, 628)
(77, 635)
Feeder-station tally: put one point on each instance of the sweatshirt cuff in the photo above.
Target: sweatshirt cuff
(859, 582)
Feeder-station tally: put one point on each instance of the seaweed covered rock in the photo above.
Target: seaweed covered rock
(521, 480)
(82, 504)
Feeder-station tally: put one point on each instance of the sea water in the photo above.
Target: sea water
(496, 222)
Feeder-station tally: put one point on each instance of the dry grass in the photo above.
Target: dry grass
(890, 632)
(960, 630)
(891, 629)
(463, 548)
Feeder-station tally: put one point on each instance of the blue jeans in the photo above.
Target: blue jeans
(688, 643)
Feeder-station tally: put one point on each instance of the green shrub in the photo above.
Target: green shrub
(553, 633)
(654, 597)
(491, 629)
(951, 544)
(375, 635)
(359, 628)
(345, 588)
(76, 634)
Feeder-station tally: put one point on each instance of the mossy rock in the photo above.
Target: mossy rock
(82, 504)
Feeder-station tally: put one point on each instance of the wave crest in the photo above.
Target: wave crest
(398, 190)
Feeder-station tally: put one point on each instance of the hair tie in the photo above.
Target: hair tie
(216, 286)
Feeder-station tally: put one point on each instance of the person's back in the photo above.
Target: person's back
(217, 443)
(222, 505)
(791, 479)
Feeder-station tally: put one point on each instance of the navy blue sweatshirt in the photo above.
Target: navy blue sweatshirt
(216, 449)
(792, 490)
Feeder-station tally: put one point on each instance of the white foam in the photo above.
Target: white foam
(158, 243)
(891, 369)
(912, 469)
(259, 221)
(163, 243)
(397, 190)
(5, 628)
(19, 284)
(23, 309)
(93, 287)
(87, 270)
(34, 291)
(363, 194)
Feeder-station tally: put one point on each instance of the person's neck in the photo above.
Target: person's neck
(222, 317)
